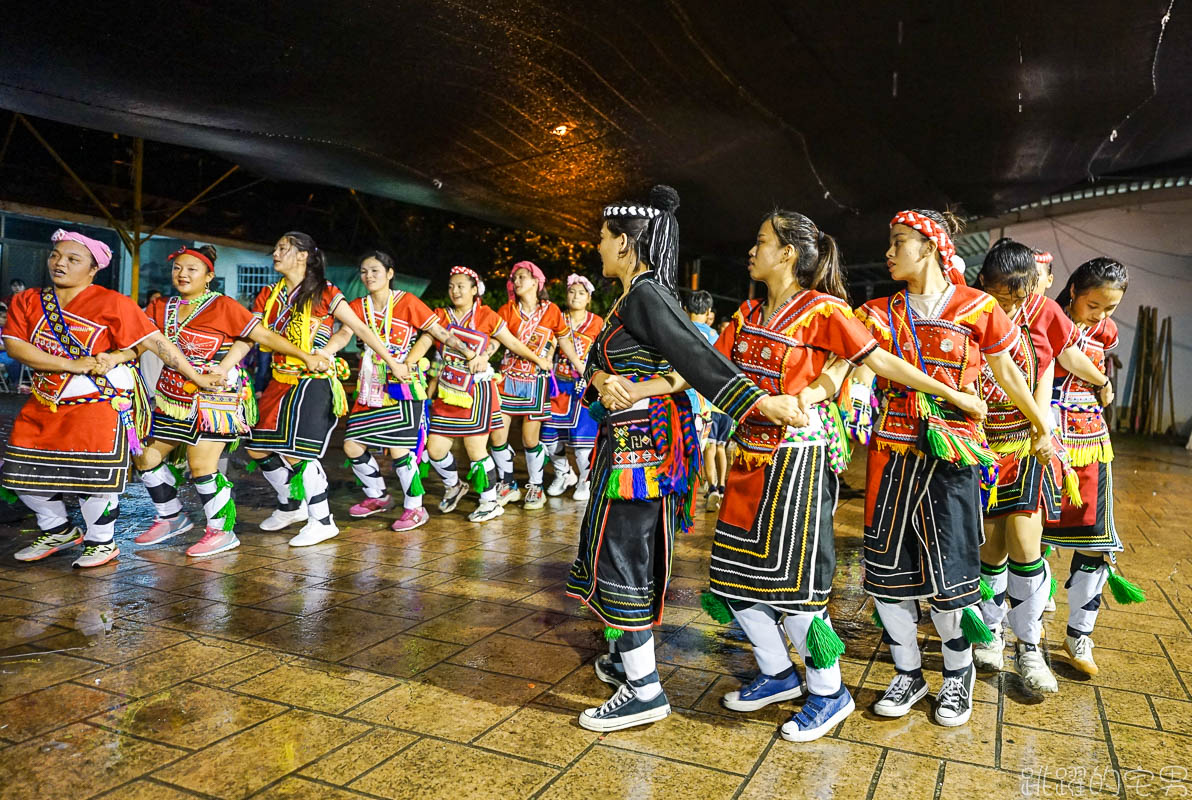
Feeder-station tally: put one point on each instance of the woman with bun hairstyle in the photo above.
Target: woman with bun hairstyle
(646, 463)
(928, 460)
(466, 405)
(378, 418)
(1091, 296)
(525, 385)
(1027, 490)
(214, 332)
(300, 406)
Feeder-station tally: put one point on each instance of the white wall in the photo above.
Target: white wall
(1154, 241)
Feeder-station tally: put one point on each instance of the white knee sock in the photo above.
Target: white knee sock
(50, 511)
(760, 623)
(535, 463)
(489, 493)
(900, 630)
(100, 512)
(641, 670)
(558, 456)
(583, 462)
(314, 482)
(955, 648)
(503, 458)
(1028, 587)
(821, 680)
(368, 472)
(994, 611)
(445, 467)
(278, 473)
(406, 471)
(163, 491)
(1085, 584)
(215, 491)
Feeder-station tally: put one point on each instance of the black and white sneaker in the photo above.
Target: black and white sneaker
(610, 671)
(902, 693)
(954, 703)
(624, 710)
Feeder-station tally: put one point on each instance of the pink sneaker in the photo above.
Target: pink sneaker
(369, 506)
(214, 541)
(163, 529)
(410, 519)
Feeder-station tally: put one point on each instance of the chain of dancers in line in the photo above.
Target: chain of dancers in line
(981, 407)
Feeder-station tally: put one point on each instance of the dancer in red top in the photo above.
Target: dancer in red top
(388, 414)
(526, 387)
(923, 508)
(89, 410)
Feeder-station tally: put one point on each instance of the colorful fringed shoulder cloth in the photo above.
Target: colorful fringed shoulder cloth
(647, 456)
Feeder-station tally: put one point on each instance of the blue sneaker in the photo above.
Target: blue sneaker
(819, 715)
(764, 690)
(624, 710)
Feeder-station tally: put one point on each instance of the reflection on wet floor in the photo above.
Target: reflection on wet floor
(446, 662)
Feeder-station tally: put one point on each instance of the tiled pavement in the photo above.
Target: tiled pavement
(446, 662)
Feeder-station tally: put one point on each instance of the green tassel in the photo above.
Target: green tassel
(1124, 592)
(347, 463)
(715, 607)
(986, 590)
(1047, 551)
(297, 487)
(612, 634)
(416, 488)
(251, 466)
(228, 512)
(477, 477)
(1054, 585)
(424, 470)
(975, 629)
(176, 471)
(877, 618)
(8, 495)
(823, 645)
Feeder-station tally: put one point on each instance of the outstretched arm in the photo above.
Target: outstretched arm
(347, 316)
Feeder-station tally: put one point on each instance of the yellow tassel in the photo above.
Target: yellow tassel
(1082, 455)
(1072, 488)
(172, 408)
(978, 312)
(992, 497)
(48, 403)
(751, 460)
(1019, 448)
(821, 309)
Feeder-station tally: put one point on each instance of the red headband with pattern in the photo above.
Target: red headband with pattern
(186, 251)
(471, 274)
(938, 234)
(1043, 257)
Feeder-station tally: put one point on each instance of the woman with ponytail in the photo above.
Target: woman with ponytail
(300, 406)
(928, 460)
(214, 332)
(773, 556)
(647, 452)
(1092, 294)
(1027, 490)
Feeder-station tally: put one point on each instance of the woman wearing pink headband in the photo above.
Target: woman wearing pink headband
(89, 409)
(570, 423)
(465, 405)
(526, 383)
(928, 461)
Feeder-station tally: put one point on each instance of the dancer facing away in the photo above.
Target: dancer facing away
(773, 555)
(1092, 294)
(647, 453)
(88, 412)
(465, 405)
(213, 331)
(1027, 490)
(716, 428)
(525, 386)
(923, 506)
(571, 424)
(378, 419)
(300, 408)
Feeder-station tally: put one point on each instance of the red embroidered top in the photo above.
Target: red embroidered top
(582, 336)
(278, 313)
(203, 337)
(535, 330)
(1082, 427)
(409, 315)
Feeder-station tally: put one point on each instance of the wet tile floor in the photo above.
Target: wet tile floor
(446, 662)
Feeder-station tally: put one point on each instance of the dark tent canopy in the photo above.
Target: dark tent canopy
(536, 113)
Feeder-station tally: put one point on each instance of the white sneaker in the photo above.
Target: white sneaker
(1080, 653)
(1049, 605)
(46, 544)
(486, 511)
(314, 532)
(562, 482)
(283, 519)
(582, 492)
(991, 655)
(1029, 662)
